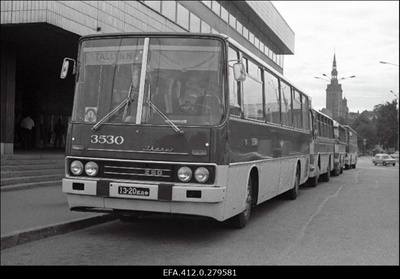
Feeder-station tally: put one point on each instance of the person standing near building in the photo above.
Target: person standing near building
(27, 124)
(59, 132)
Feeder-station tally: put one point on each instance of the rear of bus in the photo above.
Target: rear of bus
(340, 147)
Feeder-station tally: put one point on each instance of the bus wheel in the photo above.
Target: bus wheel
(239, 221)
(313, 181)
(336, 171)
(294, 192)
(327, 176)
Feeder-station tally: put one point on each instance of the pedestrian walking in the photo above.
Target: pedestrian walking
(27, 124)
(59, 129)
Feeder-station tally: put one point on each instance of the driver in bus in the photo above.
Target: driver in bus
(130, 113)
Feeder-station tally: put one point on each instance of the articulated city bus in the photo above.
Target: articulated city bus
(189, 124)
(340, 147)
(322, 148)
(351, 156)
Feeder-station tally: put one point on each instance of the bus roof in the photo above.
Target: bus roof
(154, 34)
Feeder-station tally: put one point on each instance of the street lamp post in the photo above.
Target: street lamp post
(383, 62)
(329, 79)
(323, 78)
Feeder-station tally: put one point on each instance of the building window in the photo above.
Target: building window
(224, 14)
(245, 33)
(183, 17)
(169, 9)
(155, 5)
(257, 42)
(214, 31)
(239, 27)
(232, 21)
(207, 3)
(205, 28)
(216, 7)
(261, 47)
(251, 37)
(194, 23)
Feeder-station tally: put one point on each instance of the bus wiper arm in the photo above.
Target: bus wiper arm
(170, 123)
(115, 110)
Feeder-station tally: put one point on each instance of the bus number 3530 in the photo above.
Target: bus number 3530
(106, 139)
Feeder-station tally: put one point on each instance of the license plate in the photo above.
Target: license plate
(134, 191)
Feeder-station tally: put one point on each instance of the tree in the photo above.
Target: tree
(365, 128)
(387, 124)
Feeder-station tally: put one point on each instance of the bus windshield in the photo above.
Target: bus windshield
(161, 81)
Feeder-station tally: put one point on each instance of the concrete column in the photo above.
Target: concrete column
(8, 69)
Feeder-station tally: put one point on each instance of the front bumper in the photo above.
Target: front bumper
(103, 195)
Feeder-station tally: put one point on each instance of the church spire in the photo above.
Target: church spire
(334, 70)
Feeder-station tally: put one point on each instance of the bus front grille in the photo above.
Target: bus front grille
(138, 171)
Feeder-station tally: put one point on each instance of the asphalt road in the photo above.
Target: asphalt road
(351, 220)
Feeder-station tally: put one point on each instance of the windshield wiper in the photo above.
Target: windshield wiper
(170, 123)
(125, 102)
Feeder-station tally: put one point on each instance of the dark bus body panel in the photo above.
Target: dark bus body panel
(141, 143)
(351, 156)
(257, 141)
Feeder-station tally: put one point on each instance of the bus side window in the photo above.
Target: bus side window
(253, 93)
(272, 98)
(286, 104)
(297, 110)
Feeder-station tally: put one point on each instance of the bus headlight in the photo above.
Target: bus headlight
(184, 174)
(76, 167)
(201, 175)
(91, 168)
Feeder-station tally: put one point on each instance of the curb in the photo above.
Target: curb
(24, 186)
(21, 237)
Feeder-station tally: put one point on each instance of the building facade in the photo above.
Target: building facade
(336, 105)
(37, 35)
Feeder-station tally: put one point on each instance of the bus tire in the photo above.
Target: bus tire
(313, 181)
(327, 176)
(240, 221)
(336, 171)
(294, 192)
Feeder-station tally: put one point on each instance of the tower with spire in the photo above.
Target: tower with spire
(336, 106)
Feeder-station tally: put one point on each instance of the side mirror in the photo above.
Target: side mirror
(239, 72)
(65, 67)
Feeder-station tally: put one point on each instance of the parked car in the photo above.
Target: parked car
(383, 159)
(395, 155)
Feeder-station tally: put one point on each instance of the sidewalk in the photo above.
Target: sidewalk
(40, 212)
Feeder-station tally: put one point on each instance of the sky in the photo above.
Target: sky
(360, 33)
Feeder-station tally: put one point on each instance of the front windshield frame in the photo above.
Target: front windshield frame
(141, 110)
